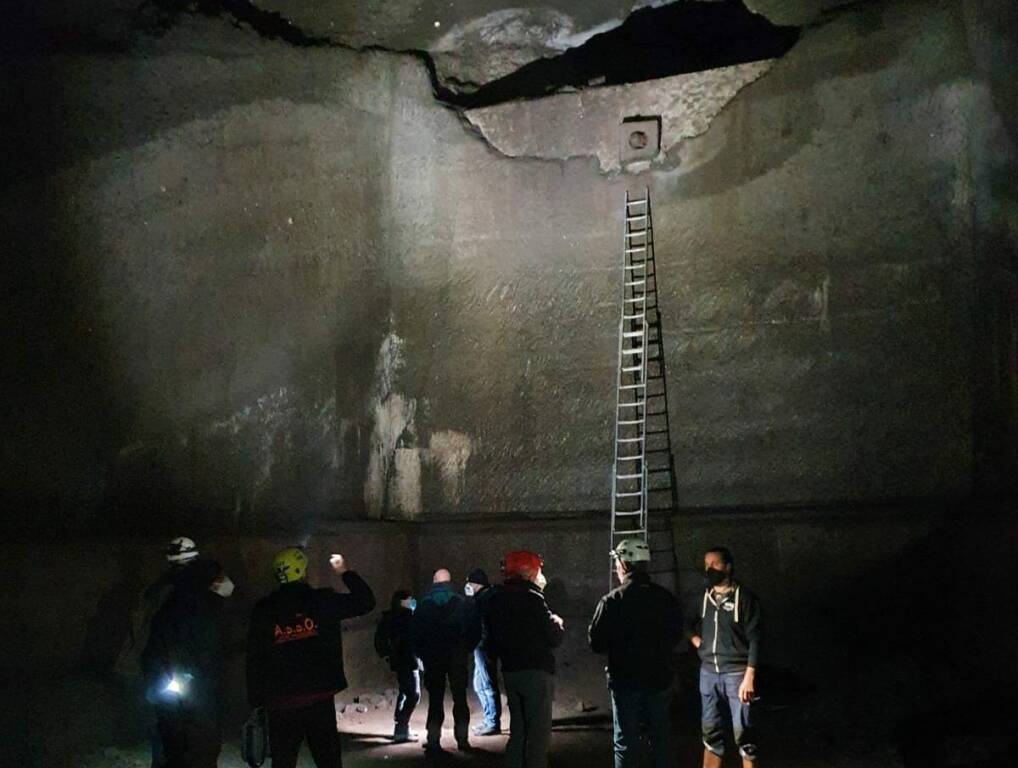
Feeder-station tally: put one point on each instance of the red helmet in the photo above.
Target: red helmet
(521, 563)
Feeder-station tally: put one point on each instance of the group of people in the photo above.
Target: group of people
(295, 658)
(508, 626)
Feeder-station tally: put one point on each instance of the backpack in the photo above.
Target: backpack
(383, 636)
(128, 664)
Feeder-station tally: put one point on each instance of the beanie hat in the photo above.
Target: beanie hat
(478, 576)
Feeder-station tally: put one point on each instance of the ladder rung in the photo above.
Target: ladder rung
(625, 494)
(628, 458)
(633, 334)
(636, 201)
(641, 233)
(631, 368)
(634, 317)
(627, 513)
(635, 299)
(633, 351)
(633, 386)
(635, 266)
(630, 422)
(630, 440)
(637, 249)
(629, 477)
(632, 405)
(631, 283)
(637, 217)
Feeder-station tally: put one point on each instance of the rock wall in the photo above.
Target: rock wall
(253, 284)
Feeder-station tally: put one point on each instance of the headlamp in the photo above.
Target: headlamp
(177, 685)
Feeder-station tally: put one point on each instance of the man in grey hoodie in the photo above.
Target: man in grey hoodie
(726, 633)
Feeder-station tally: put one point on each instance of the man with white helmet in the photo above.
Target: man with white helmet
(295, 657)
(182, 657)
(638, 624)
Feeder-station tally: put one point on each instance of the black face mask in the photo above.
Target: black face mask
(713, 577)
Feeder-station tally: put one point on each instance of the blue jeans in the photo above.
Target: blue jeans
(630, 707)
(486, 688)
(717, 693)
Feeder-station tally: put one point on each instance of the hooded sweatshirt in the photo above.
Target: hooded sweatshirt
(729, 626)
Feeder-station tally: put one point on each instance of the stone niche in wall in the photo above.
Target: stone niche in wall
(639, 140)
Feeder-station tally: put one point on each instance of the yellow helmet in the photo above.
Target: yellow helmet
(290, 565)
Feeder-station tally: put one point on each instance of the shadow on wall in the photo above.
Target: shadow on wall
(110, 625)
(58, 420)
(778, 116)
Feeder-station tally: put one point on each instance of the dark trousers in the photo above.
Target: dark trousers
(718, 693)
(188, 740)
(486, 688)
(289, 727)
(530, 693)
(409, 682)
(630, 707)
(435, 675)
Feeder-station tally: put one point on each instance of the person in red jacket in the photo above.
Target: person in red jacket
(295, 658)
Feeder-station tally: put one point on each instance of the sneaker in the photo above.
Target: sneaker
(403, 738)
(486, 730)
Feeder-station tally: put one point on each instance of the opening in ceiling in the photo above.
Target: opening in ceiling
(687, 36)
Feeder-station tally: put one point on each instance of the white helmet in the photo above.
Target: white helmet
(632, 551)
(181, 550)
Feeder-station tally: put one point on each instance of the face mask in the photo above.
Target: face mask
(222, 586)
(412, 605)
(541, 581)
(714, 577)
(468, 590)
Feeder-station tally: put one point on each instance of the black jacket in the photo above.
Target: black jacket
(295, 645)
(394, 639)
(521, 633)
(481, 602)
(638, 625)
(445, 626)
(185, 636)
(729, 628)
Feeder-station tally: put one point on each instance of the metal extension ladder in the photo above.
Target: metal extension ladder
(643, 471)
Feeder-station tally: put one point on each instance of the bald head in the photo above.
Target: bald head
(441, 576)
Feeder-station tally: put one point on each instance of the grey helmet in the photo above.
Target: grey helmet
(632, 551)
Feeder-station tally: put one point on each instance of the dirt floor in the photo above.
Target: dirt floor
(87, 723)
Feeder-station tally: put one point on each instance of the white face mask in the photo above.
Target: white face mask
(541, 581)
(222, 586)
(468, 590)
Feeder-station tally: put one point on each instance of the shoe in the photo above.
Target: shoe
(486, 730)
(463, 745)
(403, 738)
(433, 752)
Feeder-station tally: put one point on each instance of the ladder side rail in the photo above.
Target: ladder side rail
(616, 379)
